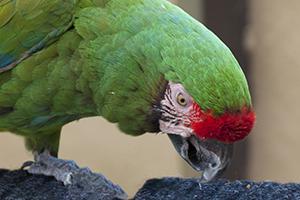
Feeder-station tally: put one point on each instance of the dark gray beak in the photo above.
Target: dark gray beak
(207, 156)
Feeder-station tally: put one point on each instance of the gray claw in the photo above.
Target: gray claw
(68, 172)
(48, 165)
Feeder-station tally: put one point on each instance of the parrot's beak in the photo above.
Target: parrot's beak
(207, 156)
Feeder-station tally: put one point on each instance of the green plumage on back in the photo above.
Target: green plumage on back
(28, 26)
(72, 59)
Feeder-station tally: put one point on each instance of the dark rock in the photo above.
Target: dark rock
(181, 189)
(20, 185)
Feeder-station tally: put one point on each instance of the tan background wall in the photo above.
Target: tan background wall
(96, 143)
(274, 40)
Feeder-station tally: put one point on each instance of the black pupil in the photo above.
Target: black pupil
(182, 100)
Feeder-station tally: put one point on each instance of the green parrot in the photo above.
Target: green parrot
(144, 64)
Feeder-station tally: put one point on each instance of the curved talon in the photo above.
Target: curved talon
(67, 180)
(26, 164)
(47, 165)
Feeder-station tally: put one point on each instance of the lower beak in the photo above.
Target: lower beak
(207, 156)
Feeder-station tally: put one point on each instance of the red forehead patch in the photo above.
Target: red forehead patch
(228, 128)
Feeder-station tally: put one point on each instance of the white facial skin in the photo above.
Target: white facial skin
(176, 106)
(208, 156)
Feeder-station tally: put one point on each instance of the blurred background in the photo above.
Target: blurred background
(264, 36)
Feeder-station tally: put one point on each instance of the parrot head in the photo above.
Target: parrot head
(204, 139)
(186, 83)
(183, 116)
(205, 105)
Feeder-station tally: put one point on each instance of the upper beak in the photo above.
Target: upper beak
(208, 156)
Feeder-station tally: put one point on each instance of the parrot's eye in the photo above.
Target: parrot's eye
(181, 100)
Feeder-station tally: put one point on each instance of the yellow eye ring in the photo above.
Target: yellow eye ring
(181, 100)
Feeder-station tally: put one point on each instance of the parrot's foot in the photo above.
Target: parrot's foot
(70, 174)
(45, 164)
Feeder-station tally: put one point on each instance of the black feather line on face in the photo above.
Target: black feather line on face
(168, 118)
(167, 108)
(156, 111)
(164, 109)
(168, 95)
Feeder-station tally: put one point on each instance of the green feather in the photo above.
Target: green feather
(106, 58)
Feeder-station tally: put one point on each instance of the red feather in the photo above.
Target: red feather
(229, 127)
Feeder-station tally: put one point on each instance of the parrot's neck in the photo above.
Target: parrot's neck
(132, 106)
(124, 92)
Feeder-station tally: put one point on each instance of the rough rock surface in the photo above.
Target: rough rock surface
(178, 188)
(19, 185)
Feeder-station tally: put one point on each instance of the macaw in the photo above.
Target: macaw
(144, 64)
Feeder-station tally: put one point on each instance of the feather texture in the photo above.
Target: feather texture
(64, 60)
